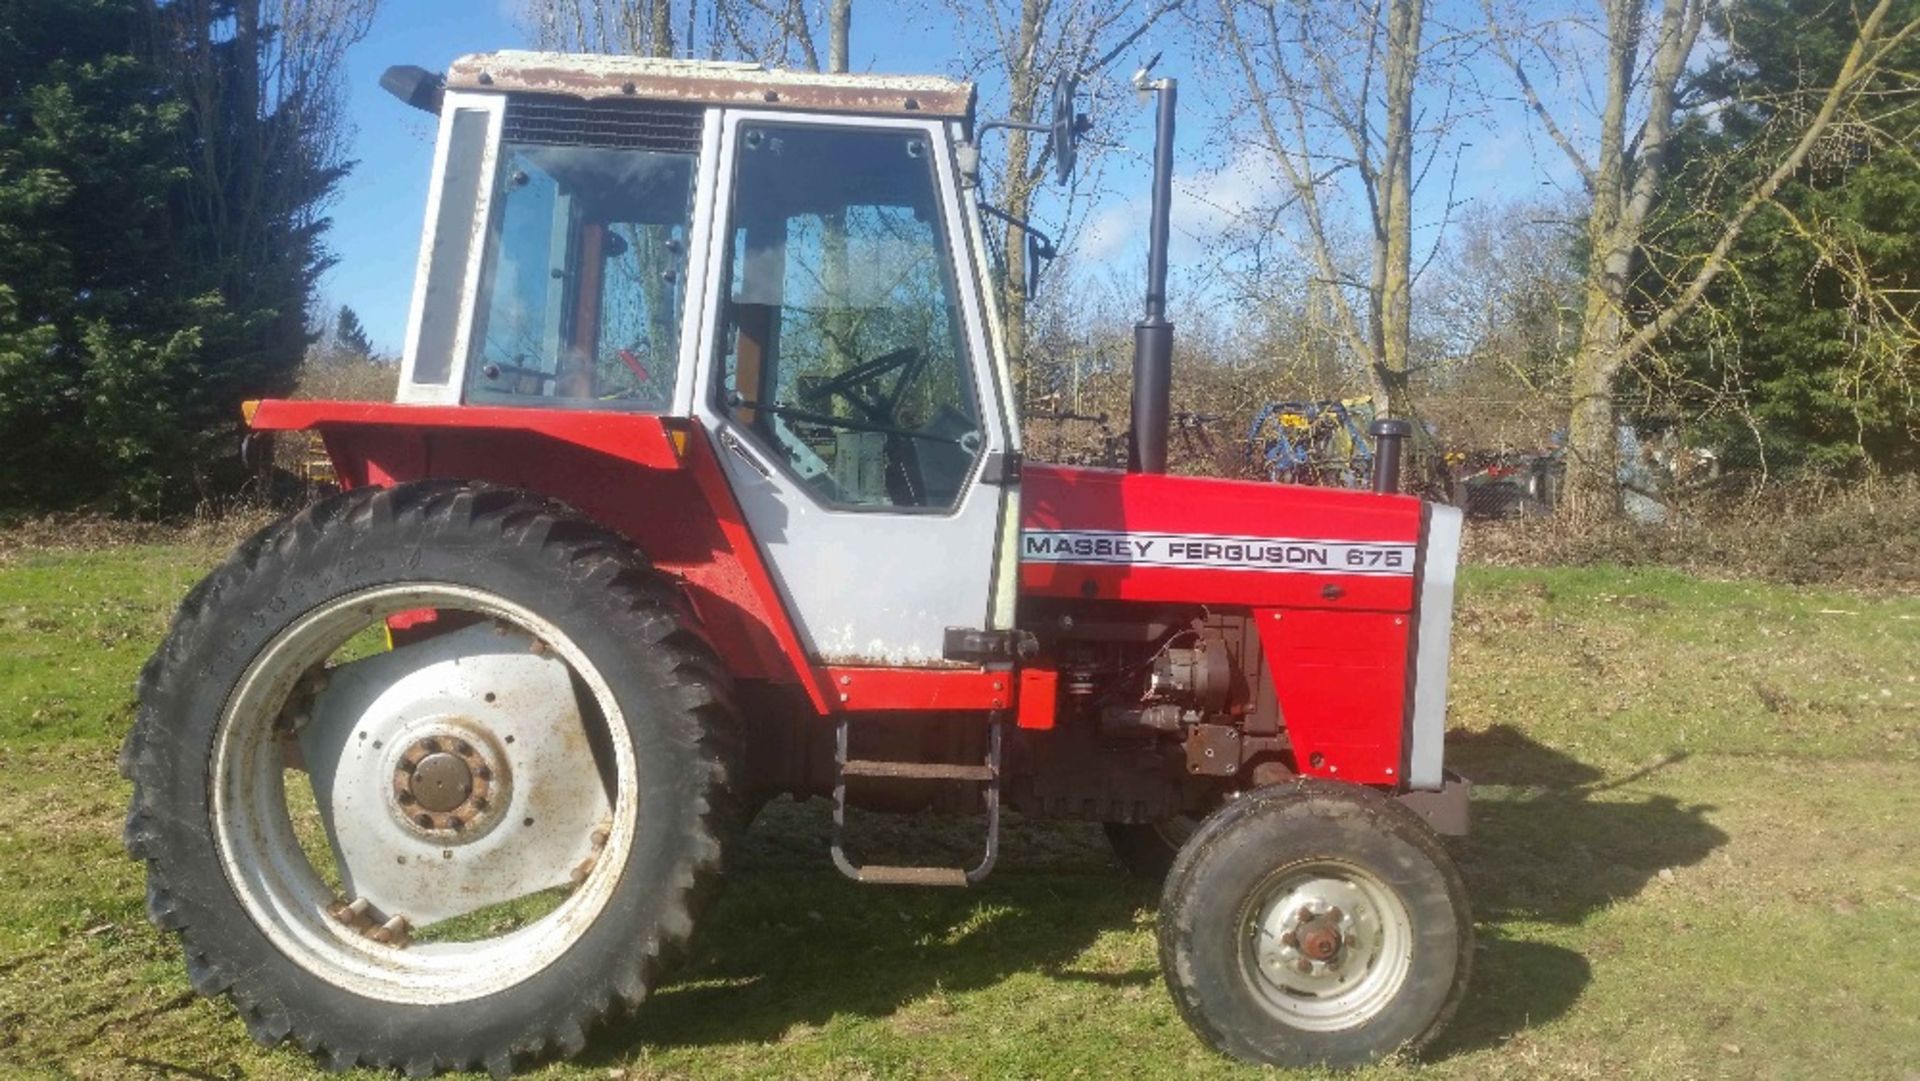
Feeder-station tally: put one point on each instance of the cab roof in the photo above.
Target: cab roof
(710, 82)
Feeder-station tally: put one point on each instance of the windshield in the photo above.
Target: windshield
(584, 283)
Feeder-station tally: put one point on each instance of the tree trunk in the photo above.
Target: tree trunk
(839, 22)
(1018, 201)
(1592, 492)
(661, 28)
(1395, 304)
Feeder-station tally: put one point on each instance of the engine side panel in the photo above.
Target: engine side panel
(1341, 678)
(1098, 534)
(1330, 582)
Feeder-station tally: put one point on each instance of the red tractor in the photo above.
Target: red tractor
(704, 486)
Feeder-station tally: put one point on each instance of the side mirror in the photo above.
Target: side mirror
(414, 86)
(1066, 127)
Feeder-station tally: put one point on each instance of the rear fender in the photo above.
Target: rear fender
(654, 479)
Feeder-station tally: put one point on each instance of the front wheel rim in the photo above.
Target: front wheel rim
(1325, 945)
(302, 915)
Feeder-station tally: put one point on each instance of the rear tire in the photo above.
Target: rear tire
(663, 701)
(1313, 923)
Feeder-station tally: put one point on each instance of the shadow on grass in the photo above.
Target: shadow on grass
(792, 943)
(1554, 841)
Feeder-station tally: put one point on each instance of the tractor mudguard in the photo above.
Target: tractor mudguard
(620, 469)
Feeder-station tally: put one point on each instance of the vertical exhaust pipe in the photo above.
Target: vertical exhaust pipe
(1389, 448)
(1153, 335)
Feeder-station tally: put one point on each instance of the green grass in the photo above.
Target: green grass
(1695, 855)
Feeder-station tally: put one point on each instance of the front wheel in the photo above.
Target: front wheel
(431, 777)
(1312, 923)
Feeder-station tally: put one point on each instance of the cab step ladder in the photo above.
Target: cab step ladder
(987, 773)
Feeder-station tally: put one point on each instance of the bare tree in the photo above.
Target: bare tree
(1503, 308)
(784, 33)
(629, 27)
(779, 33)
(1019, 47)
(1330, 101)
(1646, 52)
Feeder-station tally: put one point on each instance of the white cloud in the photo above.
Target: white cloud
(1207, 203)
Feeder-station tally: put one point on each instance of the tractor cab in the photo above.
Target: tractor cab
(790, 260)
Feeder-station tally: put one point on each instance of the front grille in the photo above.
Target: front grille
(623, 125)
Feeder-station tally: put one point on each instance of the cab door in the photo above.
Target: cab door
(849, 384)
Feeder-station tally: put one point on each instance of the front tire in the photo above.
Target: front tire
(1313, 923)
(626, 753)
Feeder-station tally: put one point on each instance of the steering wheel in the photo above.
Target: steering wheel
(880, 408)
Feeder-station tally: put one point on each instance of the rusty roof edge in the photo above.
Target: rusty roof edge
(709, 82)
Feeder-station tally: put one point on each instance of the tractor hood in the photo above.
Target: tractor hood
(1099, 534)
(1351, 594)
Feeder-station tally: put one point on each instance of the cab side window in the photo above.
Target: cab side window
(582, 289)
(842, 349)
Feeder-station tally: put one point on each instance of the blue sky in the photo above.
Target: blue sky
(377, 211)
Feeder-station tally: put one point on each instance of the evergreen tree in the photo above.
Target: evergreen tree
(1812, 341)
(349, 336)
(160, 234)
(102, 326)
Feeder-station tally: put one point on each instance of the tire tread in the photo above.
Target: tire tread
(581, 551)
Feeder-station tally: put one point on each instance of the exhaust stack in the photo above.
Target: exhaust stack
(1153, 335)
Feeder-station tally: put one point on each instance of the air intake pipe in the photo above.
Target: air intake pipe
(1153, 335)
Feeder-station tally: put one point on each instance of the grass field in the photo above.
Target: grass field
(1695, 855)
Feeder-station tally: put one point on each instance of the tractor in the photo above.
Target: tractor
(704, 486)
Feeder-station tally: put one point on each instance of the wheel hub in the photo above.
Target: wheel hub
(441, 781)
(1314, 946)
(1318, 937)
(444, 783)
(454, 774)
(1326, 946)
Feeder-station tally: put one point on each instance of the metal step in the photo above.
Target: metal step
(879, 874)
(915, 771)
(987, 773)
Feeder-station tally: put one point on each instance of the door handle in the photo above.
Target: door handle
(732, 443)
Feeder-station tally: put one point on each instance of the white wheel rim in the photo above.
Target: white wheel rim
(1309, 905)
(280, 889)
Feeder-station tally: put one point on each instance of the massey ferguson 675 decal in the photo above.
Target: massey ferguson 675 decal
(1205, 551)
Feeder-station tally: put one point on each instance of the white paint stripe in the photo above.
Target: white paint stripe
(1207, 551)
(1425, 767)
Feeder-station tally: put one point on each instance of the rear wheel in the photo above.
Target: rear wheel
(1311, 923)
(464, 849)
